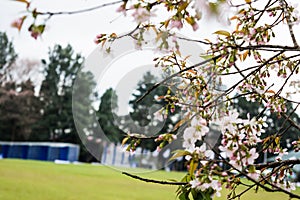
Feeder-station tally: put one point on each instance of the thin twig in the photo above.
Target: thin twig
(80, 11)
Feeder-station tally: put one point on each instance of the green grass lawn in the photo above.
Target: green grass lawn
(30, 180)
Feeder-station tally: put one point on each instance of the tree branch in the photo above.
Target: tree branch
(154, 181)
(79, 11)
(277, 163)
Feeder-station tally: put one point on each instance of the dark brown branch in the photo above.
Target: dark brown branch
(266, 47)
(256, 66)
(277, 163)
(154, 181)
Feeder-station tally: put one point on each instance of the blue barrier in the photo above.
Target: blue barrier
(46, 151)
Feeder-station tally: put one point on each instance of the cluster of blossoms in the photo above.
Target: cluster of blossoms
(239, 138)
(248, 30)
(141, 14)
(254, 91)
(215, 185)
(195, 132)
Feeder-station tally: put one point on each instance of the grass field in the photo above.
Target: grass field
(30, 180)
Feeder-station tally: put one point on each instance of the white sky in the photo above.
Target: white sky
(80, 30)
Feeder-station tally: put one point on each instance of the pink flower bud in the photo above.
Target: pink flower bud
(195, 26)
(158, 149)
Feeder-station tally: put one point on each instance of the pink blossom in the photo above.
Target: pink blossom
(281, 153)
(201, 5)
(204, 186)
(236, 163)
(176, 24)
(99, 36)
(141, 15)
(200, 127)
(121, 9)
(158, 149)
(194, 183)
(253, 156)
(158, 116)
(96, 41)
(228, 121)
(174, 39)
(195, 26)
(217, 186)
(254, 175)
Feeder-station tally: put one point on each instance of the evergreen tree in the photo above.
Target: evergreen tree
(56, 94)
(107, 117)
(7, 56)
(84, 117)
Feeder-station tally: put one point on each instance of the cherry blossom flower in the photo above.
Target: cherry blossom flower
(158, 116)
(214, 184)
(141, 15)
(227, 122)
(200, 127)
(122, 9)
(254, 175)
(253, 155)
(201, 5)
(228, 151)
(236, 163)
(176, 24)
(217, 186)
(195, 183)
(195, 26)
(281, 153)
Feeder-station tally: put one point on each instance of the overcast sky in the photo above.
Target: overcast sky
(80, 30)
